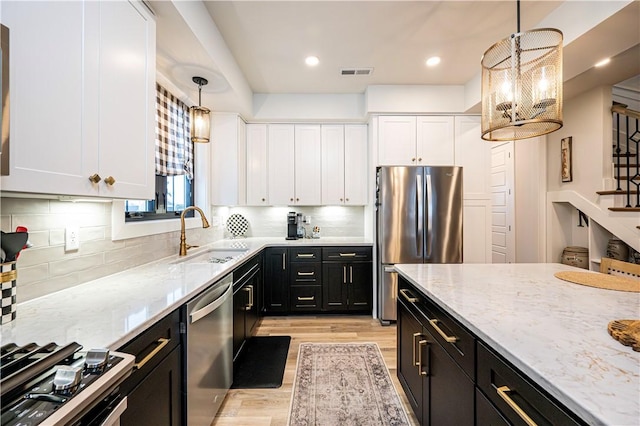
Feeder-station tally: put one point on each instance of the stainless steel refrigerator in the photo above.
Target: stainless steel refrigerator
(419, 220)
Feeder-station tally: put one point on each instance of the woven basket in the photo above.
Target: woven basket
(8, 276)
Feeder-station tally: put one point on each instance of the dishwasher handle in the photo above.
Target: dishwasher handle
(206, 310)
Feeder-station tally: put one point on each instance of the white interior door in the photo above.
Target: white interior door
(502, 209)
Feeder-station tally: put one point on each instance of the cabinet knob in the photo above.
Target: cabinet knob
(413, 160)
(340, 199)
(109, 180)
(346, 199)
(297, 199)
(95, 178)
(420, 159)
(290, 199)
(263, 199)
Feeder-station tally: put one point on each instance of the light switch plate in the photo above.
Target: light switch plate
(71, 238)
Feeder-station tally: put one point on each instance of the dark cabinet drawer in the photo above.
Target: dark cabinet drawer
(151, 347)
(306, 298)
(456, 340)
(305, 273)
(302, 254)
(514, 396)
(346, 254)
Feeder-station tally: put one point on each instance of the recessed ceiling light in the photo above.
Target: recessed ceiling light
(603, 62)
(433, 61)
(312, 61)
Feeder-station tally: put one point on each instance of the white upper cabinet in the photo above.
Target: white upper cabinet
(308, 172)
(435, 137)
(82, 98)
(397, 141)
(332, 164)
(126, 97)
(355, 164)
(228, 160)
(281, 158)
(344, 161)
(257, 175)
(415, 141)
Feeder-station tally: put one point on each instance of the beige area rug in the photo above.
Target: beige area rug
(344, 384)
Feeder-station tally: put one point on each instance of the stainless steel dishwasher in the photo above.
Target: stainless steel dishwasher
(209, 351)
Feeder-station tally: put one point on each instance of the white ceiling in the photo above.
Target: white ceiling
(270, 39)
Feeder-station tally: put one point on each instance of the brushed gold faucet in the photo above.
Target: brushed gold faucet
(183, 238)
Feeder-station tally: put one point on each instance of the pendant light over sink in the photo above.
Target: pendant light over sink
(522, 85)
(200, 119)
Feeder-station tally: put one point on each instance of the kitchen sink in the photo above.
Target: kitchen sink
(215, 255)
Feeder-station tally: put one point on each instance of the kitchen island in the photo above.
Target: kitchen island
(553, 331)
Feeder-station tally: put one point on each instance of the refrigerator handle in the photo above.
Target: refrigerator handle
(420, 215)
(429, 216)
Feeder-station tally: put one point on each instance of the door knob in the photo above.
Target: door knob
(95, 178)
(109, 180)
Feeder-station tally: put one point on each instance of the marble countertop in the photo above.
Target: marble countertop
(552, 330)
(110, 311)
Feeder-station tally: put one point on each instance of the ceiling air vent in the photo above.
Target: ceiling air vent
(356, 71)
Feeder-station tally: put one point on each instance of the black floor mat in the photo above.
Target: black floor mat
(261, 363)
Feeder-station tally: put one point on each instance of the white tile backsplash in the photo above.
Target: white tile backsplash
(334, 221)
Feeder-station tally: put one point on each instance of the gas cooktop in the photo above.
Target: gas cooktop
(52, 384)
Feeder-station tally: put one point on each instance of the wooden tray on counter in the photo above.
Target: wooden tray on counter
(626, 332)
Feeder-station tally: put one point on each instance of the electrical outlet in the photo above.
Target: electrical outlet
(71, 238)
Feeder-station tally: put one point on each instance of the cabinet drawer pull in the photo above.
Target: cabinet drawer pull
(410, 299)
(351, 274)
(422, 343)
(306, 274)
(344, 275)
(347, 255)
(305, 255)
(162, 342)
(249, 289)
(502, 391)
(415, 362)
(284, 261)
(449, 339)
(306, 299)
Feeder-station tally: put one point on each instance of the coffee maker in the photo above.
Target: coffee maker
(292, 226)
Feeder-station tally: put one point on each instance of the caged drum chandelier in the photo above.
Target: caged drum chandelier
(200, 120)
(522, 85)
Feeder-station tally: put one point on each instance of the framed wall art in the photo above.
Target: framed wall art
(565, 159)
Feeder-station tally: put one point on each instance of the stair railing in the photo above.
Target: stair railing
(627, 146)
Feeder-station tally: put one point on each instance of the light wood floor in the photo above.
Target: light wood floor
(257, 407)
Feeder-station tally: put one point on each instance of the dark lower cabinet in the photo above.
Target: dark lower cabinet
(157, 400)
(247, 292)
(439, 391)
(347, 277)
(276, 280)
(154, 389)
(451, 377)
(450, 398)
(318, 279)
(409, 330)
